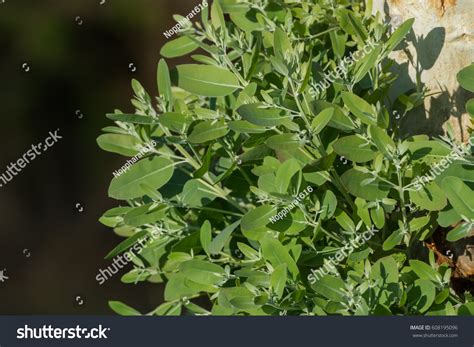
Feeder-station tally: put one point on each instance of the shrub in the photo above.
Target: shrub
(280, 182)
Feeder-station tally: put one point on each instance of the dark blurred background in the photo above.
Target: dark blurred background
(77, 55)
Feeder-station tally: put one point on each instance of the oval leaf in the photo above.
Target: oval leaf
(154, 172)
(258, 114)
(207, 131)
(178, 47)
(206, 80)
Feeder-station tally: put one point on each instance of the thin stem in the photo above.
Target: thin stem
(402, 198)
(298, 103)
(340, 186)
(318, 34)
(234, 70)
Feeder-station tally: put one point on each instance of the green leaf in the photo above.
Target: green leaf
(329, 205)
(279, 65)
(448, 217)
(425, 271)
(242, 126)
(357, 26)
(145, 214)
(281, 43)
(399, 35)
(330, 287)
(258, 114)
(466, 78)
(393, 240)
(355, 148)
(418, 223)
(219, 242)
(122, 309)
(154, 172)
(174, 121)
(366, 63)
(178, 47)
(463, 170)
(217, 17)
(430, 197)
(207, 131)
(442, 296)
(339, 119)
(470, 107)
(236, 297)
(257, 217)
(285, 173)
(459, 195)
(131, 118)
(205, 236)
(284, 142)
(134, 276)
(122, 144)
(467, 309)
(202, 272)
(376, 190)
(345, 221)
(248, 251)
(126, 244)
(421, 296)
(274, 252)
(359, 108)
(378, 216)
(164, 81)
(177, 288)
(338, 43)
(206, 80)
(461, 231)
(427, 151)
(231, 6)
(196, 193)
(385, 271)
(383, 142)
(278, 280)
(206, 162)
(321, 120)
(168, 309)
(247, 21)
(363, 211)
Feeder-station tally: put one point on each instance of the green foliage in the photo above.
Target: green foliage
(241, 138)
(466, 80)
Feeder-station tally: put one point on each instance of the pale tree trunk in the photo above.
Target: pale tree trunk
(443, 43)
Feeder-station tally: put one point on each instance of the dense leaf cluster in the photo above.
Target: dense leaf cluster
(240, 133)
